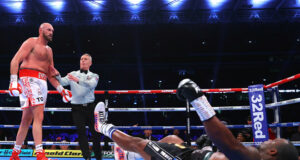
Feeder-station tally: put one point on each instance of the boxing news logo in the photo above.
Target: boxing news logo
(258, 113)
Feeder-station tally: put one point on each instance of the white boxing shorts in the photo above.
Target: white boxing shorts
(34, 88)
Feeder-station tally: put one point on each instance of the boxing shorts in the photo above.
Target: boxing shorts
(168, 151)
(34, 87)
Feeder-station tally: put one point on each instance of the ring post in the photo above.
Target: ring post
(188, 123)
(277, 119)
(106, 97)
(258, 113)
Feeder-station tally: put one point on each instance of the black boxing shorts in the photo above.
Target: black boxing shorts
(168, 151)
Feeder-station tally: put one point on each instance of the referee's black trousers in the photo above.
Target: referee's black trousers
(84, 115)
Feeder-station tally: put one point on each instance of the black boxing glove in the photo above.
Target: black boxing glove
(187, 89)
(203, 141)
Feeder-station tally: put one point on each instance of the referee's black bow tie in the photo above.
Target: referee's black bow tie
(83, 71)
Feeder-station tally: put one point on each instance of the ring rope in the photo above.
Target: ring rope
(222, 90)
(288, 124)
(289, 90)
(283, 103)
(168, 91)
(291, 78)
(164, 109)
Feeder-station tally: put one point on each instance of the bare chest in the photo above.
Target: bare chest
(40, 53)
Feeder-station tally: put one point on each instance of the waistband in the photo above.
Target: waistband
(32, 73)
(83, 105)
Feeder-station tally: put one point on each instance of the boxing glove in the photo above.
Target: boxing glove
(187, 89)
(66, 94)
(14, 87)
(204, 141)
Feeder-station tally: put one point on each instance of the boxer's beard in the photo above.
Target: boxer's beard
(48, 38)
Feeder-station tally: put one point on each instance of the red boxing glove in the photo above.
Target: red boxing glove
(66, 94)
(14, 87)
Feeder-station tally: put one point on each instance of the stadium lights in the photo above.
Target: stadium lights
(94, 5)
(58, 19)
(135, 17)
(20, 19)
(173, 17)
(254, 15)
(134, 6)
(97, 18)
(174, 4)
(214, 4)
(259, 3)
(135, 2)
(56, 6)
(15, 6)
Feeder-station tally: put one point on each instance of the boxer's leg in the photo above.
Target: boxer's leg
(38, 116)
(27, 117)
(125, 141)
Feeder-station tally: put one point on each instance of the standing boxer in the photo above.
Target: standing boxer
(35, 57)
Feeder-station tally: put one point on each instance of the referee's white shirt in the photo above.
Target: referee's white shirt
(83, 91)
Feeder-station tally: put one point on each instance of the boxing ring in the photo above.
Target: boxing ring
(271, 88)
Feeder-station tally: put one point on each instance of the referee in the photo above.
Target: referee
(83, 83)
